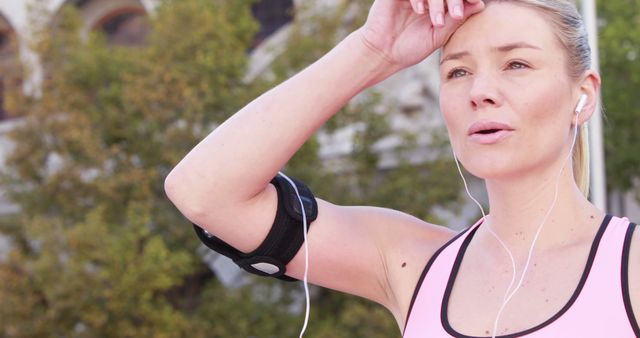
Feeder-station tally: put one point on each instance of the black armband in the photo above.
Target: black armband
(283, 240)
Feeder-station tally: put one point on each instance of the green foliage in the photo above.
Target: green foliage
(11, 72)
(98, 251)
(335, 315)
(619, 43)
(93, 279)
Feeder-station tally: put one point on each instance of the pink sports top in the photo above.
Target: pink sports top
(599, 307)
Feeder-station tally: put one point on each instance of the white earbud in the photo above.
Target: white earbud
(581, 103)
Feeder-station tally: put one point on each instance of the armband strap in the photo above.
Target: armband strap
(283, 240)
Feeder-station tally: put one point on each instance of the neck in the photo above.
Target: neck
(519, 207)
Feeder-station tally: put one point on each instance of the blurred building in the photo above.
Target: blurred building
(272, 15)
(412, 92)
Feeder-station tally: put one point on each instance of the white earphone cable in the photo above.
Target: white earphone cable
(306, 258)
(513, 262)
(544, 220)
(506, 298)
(509, 294)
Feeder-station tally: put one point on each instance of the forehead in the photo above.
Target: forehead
(503, 23)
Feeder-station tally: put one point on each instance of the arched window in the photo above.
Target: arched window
(124, 22)
(125, 26)
(272, 14)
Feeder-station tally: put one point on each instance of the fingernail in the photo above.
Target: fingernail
(420, 7)
(457, 11)
(439, 19)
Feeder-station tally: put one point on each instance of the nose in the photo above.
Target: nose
(484, 92)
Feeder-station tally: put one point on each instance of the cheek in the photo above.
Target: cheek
(540, 111)
(545, 109)
(453, 108)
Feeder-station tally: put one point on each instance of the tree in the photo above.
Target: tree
(619, 43)
(97, 248)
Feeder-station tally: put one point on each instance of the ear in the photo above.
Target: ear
(589, 85)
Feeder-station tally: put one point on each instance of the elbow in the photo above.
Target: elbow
(171, 187)
(183, 198)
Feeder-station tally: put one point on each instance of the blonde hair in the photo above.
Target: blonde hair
(570, 30)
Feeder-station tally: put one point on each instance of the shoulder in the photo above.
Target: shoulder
(407, 252)
(634, 256)
(634, 272)
(392, 228)
(372, 252)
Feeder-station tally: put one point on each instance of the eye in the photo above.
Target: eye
(517, 65)
(456, 72)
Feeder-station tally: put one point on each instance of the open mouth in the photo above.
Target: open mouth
(485, 127)
(488, 131)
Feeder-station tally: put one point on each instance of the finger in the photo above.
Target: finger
(472, 9)
(456, 8)
(418, 6)
(473, 1)
(451, 25)
(436, 12)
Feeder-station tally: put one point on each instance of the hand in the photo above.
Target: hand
(405, 32)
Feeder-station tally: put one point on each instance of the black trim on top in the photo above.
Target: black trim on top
(424, 274)
(445, 303)
(625, 279)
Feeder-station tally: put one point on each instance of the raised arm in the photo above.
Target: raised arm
(223, 183)
(235, 163)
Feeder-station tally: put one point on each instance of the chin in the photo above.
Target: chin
(488, 174)
(488, 168)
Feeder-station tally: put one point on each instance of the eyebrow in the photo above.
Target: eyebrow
(502, 49)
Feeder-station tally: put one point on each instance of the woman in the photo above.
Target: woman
(513, 73)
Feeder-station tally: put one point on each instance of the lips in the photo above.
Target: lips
(489, 132)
